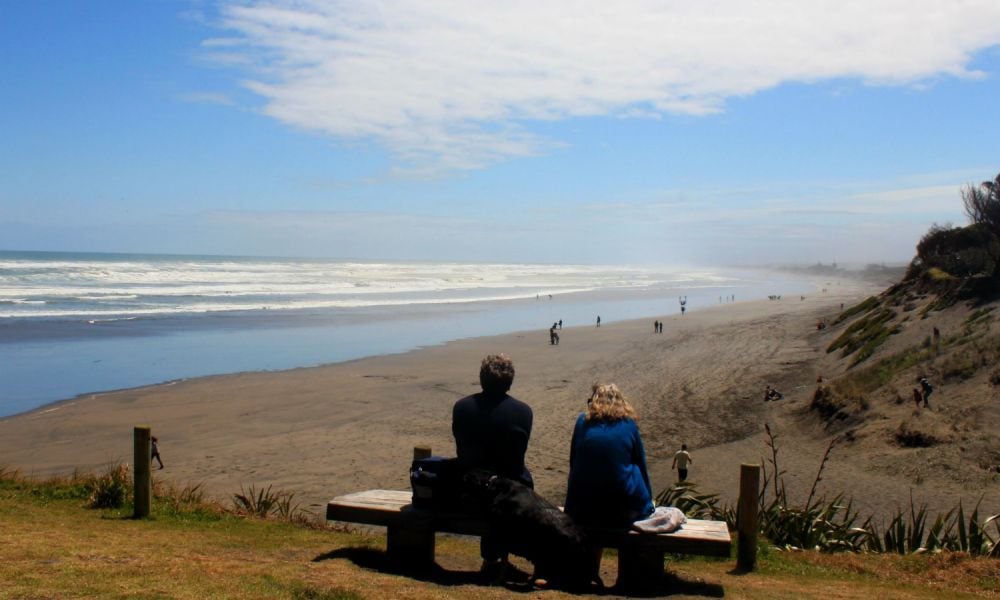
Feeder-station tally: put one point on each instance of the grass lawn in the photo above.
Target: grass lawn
(54, 547)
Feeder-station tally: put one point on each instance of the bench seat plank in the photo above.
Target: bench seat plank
(392, 508)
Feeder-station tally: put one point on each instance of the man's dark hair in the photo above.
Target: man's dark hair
(496, 374)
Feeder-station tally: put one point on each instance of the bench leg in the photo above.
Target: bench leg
(640, 568)
(410, 547)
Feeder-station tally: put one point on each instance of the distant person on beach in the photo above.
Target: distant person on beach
(917, 397)
(608, 482)
(553, 336)
(682, 458)
(771, 393)
(926, 388)
(560, 323)
(491, 432)
(155, 451)
(598, 320)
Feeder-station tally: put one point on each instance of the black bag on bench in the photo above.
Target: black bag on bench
(436, 482)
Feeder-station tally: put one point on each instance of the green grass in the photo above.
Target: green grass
(979, 315)
(55, 547)
(862, 307)
(866, 334)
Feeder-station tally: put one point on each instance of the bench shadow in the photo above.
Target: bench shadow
(378, 560)
(515, 579)
(673, 585)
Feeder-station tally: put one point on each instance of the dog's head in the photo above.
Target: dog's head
(479, 489)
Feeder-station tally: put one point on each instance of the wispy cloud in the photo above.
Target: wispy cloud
(838, 221)
(206, 98)
(456, 85)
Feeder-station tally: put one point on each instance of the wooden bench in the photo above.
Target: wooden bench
(410, 534)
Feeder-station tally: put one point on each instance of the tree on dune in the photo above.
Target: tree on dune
(982, 204)
(973, 251)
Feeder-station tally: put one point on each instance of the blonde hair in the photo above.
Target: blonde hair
(608, 403)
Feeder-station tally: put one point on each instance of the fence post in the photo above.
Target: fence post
(142, 471)
(746, 517)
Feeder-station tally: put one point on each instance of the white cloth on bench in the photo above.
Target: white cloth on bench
(665, 519)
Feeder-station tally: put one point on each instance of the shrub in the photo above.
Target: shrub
(831, 526)
(960, 251)
(254, 502)
(112, 489)
(684, 495)
(837, 405)
(909, 437)
(264, 503)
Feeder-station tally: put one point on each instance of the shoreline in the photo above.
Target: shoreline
(116, 356)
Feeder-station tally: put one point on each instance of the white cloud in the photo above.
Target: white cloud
(452, 84)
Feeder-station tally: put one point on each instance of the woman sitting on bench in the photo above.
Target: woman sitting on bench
(608, 483)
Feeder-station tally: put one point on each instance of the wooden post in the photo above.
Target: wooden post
(746, 518)
(421, 452)
(142, 476)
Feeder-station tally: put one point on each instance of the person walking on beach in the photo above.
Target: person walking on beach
(682, 458)
(553, 336)
(155, 451)
(598, 320)
(491, 432)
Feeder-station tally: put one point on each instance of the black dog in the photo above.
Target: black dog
(525, 524)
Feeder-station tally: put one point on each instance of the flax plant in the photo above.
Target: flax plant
(834, 525)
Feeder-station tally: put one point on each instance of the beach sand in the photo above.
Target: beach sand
(324, 431)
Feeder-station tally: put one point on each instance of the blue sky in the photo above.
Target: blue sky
(720, 132)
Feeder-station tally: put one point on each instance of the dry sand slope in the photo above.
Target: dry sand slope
(344, 427)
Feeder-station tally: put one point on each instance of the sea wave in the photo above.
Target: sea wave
(39, 286)
(293, 305)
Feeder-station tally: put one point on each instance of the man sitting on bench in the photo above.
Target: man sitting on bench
(491, 432)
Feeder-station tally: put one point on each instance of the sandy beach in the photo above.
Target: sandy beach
(328, 430)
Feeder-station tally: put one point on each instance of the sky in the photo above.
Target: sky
(721, 132)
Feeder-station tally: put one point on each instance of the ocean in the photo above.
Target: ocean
(77, 323)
